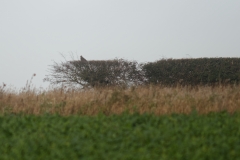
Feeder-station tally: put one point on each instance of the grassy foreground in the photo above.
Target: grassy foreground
(144, 99)
(125, 136)
(113, 123)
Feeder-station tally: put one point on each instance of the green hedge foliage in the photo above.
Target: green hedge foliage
(200, 71)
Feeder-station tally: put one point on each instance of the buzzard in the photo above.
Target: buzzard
(83, 59)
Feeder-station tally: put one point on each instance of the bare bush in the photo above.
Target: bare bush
(96, 73)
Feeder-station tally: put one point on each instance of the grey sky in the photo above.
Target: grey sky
(33, 33)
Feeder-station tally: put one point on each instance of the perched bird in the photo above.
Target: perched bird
(83, 59)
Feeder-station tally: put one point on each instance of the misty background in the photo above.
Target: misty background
(34, 33)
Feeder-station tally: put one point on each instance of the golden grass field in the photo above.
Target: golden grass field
(143, 99)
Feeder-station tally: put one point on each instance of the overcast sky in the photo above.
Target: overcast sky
(34, 33)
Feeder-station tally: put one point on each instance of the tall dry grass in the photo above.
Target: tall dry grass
(145, 99)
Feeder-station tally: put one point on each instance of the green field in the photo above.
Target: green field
(125, 136)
